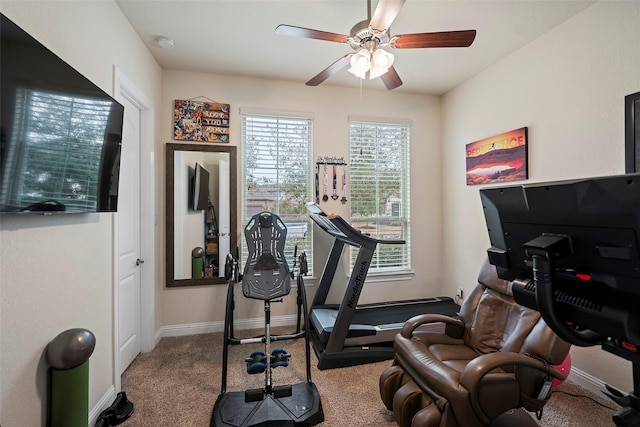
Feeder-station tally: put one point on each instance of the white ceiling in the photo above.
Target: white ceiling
(236, 37)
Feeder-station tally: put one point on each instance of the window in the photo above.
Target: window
(276, 152)
(379, 154)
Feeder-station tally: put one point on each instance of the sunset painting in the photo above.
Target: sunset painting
(501, 158)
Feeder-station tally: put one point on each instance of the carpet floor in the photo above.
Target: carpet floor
(176, 385)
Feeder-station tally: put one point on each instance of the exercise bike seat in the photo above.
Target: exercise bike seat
(266, 273)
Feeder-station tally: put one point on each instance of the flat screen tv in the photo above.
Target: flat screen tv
(632, 132)
(572, 249)
(199, 189)
(60, 133)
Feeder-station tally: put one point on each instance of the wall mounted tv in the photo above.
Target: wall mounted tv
(199, 189)
(589, 231)
(60, 133)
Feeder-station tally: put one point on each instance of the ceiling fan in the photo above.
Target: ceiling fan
(368, 37)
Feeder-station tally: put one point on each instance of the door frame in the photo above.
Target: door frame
(125, 88)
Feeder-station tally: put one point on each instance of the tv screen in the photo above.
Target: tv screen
(60, 133)
(601, 215)
(589, 231)
(200, 189)
(632, 132)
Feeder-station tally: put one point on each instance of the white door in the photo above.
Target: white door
(129, 262)
(224, 212)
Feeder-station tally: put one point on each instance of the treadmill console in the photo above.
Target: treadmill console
(321, 218)
(313, 208)
(339, 227)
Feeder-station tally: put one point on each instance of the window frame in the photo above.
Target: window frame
(404, 268)
(292, 221)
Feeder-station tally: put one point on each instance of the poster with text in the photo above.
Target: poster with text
(202, 121)
(501, 158)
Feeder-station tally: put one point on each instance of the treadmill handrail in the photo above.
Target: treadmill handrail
(342, 228)
(327, 225)
(358, 236)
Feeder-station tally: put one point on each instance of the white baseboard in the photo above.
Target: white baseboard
(190, 329)
(218, 326)
(104, 402)
(585, 380)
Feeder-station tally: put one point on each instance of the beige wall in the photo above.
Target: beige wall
(331, 108)
(56, 272)
(568, 87)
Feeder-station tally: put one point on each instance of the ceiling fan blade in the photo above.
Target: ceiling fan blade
(386, 11)
(330, 70)
(391, 79)
(441, 39)
(290, 30)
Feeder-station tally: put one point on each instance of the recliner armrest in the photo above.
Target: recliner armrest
(482, 365)
(476, 370)
(421, 319)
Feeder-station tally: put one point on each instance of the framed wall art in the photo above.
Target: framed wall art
(500, 158)
(204, 121)
(632, 132)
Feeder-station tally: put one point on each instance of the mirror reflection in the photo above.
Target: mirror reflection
(200, 228)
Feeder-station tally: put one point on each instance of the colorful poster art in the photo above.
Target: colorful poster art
(200, 121)
(501, 158)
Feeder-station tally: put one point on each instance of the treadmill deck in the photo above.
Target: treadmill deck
(379, 323)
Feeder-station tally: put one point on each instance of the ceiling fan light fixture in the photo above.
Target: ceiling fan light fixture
(360, 63)
(376, 72)
(381, 61)
(382, 58)
(367, 36)
(358, 73)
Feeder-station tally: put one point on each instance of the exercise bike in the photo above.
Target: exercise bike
(266, 277)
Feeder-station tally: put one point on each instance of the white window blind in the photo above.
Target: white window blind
(276, 152)
(379, 190)
(60, 155)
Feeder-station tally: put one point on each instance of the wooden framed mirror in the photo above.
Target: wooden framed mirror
(201, 200)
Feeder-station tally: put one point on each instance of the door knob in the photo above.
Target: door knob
(139, 261)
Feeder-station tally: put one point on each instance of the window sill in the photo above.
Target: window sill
(378, 277)
(309, 281)
(390, 276)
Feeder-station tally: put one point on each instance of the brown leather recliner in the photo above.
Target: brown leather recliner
(495, 357)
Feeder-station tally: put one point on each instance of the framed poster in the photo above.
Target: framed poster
(203, 121)
(501, 158)
(632, 132)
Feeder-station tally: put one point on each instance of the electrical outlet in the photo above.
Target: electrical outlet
(460, 293)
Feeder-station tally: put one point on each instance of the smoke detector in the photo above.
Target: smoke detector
(165, 42)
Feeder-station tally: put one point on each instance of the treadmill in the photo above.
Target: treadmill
(348, 334)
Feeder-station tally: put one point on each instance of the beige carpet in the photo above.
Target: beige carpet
(178, 382)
